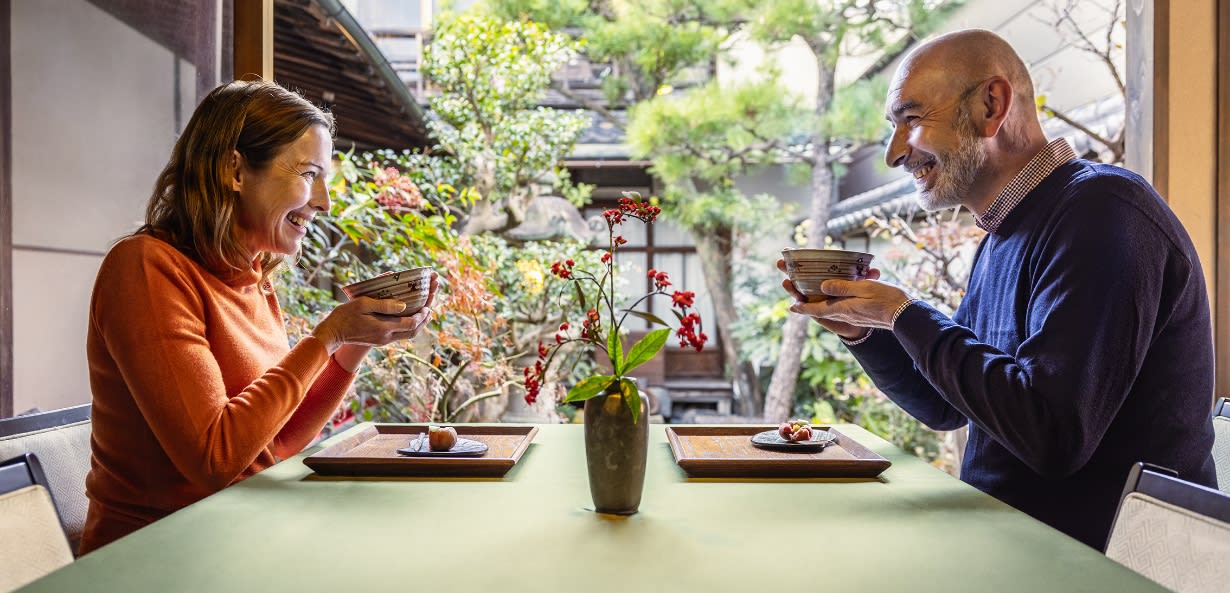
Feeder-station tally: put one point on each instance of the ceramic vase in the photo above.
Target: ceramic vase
(615, 451)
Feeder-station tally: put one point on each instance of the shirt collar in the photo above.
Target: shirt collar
(1051, 157)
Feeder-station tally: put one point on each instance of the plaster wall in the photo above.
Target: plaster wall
(93, 119)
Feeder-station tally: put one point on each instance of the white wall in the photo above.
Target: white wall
(93, 120)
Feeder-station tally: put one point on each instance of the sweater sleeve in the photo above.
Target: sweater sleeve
(1095, 299)
(317, 408)
(152, 319)
(894, 373)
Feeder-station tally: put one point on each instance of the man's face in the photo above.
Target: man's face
(934, 137)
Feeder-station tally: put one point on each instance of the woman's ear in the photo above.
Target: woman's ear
(237, 171)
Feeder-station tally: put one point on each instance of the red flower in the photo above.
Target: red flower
(606, 257)
(683, 298)
(563, 326)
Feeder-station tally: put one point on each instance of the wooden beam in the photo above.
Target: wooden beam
(253, 38)
(1221, 300)
(6, 212)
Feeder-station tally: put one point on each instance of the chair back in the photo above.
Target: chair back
(1221, 443)
(33, 543)
(1172, 531)
(61, 439)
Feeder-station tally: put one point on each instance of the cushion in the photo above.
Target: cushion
(1179, 549)
(33, 543)
(65, 455)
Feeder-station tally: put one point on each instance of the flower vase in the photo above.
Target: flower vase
(615, 451)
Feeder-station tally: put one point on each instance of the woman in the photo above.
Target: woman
(194, 385)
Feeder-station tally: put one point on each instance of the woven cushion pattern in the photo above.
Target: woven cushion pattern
(1176, 548)
(33, 543)
(1221, 451)
(65, 455)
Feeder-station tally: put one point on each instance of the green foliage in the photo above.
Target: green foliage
(716, 131)
(380, 219)
(491, 76)
(648, 43)
(857, 112)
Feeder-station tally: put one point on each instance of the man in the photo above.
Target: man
(1083, 344)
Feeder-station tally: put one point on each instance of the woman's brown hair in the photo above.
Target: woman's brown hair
(193, 205)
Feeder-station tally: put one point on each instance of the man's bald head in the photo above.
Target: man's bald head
(959, 60)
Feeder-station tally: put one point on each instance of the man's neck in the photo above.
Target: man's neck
(1001, 168)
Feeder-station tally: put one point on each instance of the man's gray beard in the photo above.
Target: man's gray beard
(960, 170)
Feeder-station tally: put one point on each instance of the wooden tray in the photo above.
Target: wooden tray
(372, 451)
(728, 452)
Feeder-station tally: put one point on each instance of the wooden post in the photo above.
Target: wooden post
(6, 214)
(253, 39)
(1221, 301)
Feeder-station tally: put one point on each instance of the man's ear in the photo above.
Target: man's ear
(236, 171)
(993, 106)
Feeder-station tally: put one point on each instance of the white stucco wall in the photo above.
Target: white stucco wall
(93, 121)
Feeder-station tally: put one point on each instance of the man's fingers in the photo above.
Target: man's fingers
(789, 286)
(839, 288)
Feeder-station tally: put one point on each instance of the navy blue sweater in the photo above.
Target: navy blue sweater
(1082, 346)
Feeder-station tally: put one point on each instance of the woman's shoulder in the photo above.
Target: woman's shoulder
(143, 254)
(144, 246)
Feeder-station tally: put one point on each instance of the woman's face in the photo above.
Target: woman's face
(276, 203)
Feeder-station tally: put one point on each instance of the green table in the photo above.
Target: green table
(286, 529)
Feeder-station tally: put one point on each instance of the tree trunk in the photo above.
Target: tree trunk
(714, 250)
(779, 400)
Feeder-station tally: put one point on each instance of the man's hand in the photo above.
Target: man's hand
(853, 306)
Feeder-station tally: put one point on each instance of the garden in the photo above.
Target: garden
(471, 207)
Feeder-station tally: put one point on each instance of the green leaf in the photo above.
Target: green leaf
(580, 295)
(588, 388)
(615, 349)
(632, 397)
(650, 317)
(645, 349)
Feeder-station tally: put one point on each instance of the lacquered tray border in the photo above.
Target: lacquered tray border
(331, 462)
(866, 463)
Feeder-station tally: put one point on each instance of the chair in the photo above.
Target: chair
(1221, 443)
(33, 543)
(1172, 531)
(61, 439)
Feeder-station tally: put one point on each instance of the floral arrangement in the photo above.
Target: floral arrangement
(603, 324)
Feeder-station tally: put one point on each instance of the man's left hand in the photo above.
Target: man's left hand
(862, 303)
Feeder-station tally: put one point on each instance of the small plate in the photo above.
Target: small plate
(464, 448)
(769, 439)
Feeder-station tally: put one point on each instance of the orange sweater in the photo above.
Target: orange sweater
(195, 387)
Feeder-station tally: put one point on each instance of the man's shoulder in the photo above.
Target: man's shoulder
(1104, 191)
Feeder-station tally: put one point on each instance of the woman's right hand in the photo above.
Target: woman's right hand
(365, 321)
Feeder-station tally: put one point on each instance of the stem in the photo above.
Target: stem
(479, 397)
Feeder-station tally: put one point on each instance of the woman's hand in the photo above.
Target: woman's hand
(365, 322)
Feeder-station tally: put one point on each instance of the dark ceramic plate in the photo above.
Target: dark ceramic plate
(769, 439)
(464, 448)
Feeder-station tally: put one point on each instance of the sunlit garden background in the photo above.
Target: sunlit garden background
(491, 205)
